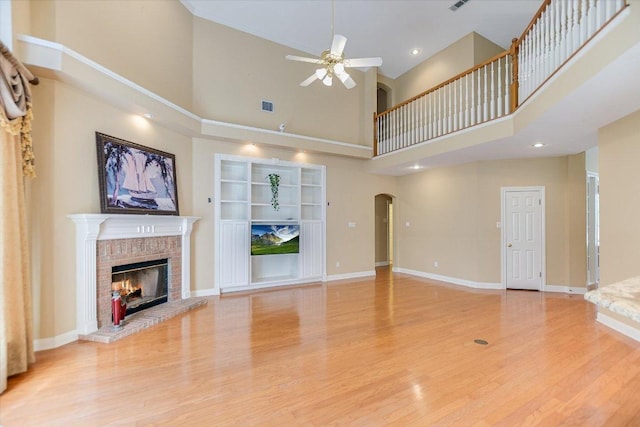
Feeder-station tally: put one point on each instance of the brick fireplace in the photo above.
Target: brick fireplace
(104, 241)
(118, 252)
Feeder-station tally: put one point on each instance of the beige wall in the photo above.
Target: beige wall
(231, 91)
(576, 215)
(453, 212)
(148, 42)
(460, 56)
(350, 197)
(619, 150)
(483, 49)
(66, 120)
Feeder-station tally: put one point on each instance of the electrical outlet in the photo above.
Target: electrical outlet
(435, 264)
(337, 264)
(407, 224)
(351, 225)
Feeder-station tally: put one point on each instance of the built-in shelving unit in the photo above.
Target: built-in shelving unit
(244, 198)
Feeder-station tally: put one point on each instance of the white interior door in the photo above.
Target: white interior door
(523, 235)
(593, 243)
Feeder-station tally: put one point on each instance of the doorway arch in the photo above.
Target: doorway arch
(383, 98)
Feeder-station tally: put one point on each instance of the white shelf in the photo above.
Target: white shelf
(233, 181)
(243, 197)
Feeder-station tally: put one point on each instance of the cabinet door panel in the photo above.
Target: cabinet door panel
(234, 254)
(311, 241)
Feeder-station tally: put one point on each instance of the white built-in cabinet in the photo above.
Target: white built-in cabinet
(243, 198)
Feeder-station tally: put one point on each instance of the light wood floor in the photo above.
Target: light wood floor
(392, 351)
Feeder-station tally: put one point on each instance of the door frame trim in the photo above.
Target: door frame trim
(595, 175)
(503, 237)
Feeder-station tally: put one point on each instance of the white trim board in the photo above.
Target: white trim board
(564, 289)
(205, 292)
(356, 275)
(618, 326)
(55, 342)
(452, 280)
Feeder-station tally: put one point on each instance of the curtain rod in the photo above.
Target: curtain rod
(19, 65)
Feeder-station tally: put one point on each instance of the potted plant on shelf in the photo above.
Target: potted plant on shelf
(274, 180)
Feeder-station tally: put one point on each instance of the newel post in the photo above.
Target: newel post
(375, 134)
(515, 47)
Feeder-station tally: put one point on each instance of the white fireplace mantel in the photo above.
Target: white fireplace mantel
(93, 227)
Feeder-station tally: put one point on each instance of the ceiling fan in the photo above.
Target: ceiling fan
(333, 62)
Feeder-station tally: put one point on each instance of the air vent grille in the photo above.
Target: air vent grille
(458, 5)
(267, 106)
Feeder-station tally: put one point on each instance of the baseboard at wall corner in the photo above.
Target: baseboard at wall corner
(565, 289)
(618, 326)
(382, 263)
(40, 344)
(447, 279)
(205, 292)
(356, 275)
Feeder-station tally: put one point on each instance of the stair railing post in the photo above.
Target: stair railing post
(515, 48)
(375, 134)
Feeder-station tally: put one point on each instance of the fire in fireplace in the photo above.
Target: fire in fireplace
(142, 285)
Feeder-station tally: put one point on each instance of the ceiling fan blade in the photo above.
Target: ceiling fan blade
(304, 59)
(363, 62)
(348, 82)
(312, 78)
(337, 47)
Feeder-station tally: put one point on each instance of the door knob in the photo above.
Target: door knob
(509, 245)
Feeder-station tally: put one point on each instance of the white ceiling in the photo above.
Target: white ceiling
(386, 28)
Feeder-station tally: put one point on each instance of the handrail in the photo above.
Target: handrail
(535, 19)
(501, 84)
(446, 82)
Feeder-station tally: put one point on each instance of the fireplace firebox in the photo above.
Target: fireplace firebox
(142, 284)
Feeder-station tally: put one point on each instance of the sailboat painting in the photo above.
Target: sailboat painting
(135, 179)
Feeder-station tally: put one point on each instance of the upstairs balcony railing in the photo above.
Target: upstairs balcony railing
(499, 85)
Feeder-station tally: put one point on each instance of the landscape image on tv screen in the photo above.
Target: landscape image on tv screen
(273, 239)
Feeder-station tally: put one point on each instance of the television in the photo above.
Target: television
(275, 239)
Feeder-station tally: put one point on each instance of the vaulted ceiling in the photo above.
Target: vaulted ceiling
(386, 28)
(392, 28)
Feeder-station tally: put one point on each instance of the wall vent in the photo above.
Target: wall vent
(458, 5)
(268, 105)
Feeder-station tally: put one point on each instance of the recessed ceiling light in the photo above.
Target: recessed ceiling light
(416, 167)
(538, 145)
(148, 115)
(415, 52)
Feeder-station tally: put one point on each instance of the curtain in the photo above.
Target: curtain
(16, 162)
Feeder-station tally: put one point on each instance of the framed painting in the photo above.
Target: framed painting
(135, 179)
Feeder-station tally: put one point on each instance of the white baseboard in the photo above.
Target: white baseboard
(357, 275)
(55, 342)
(619, 326)
(205, 292)
(382, 263)
(565, 289)
(454, 280)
